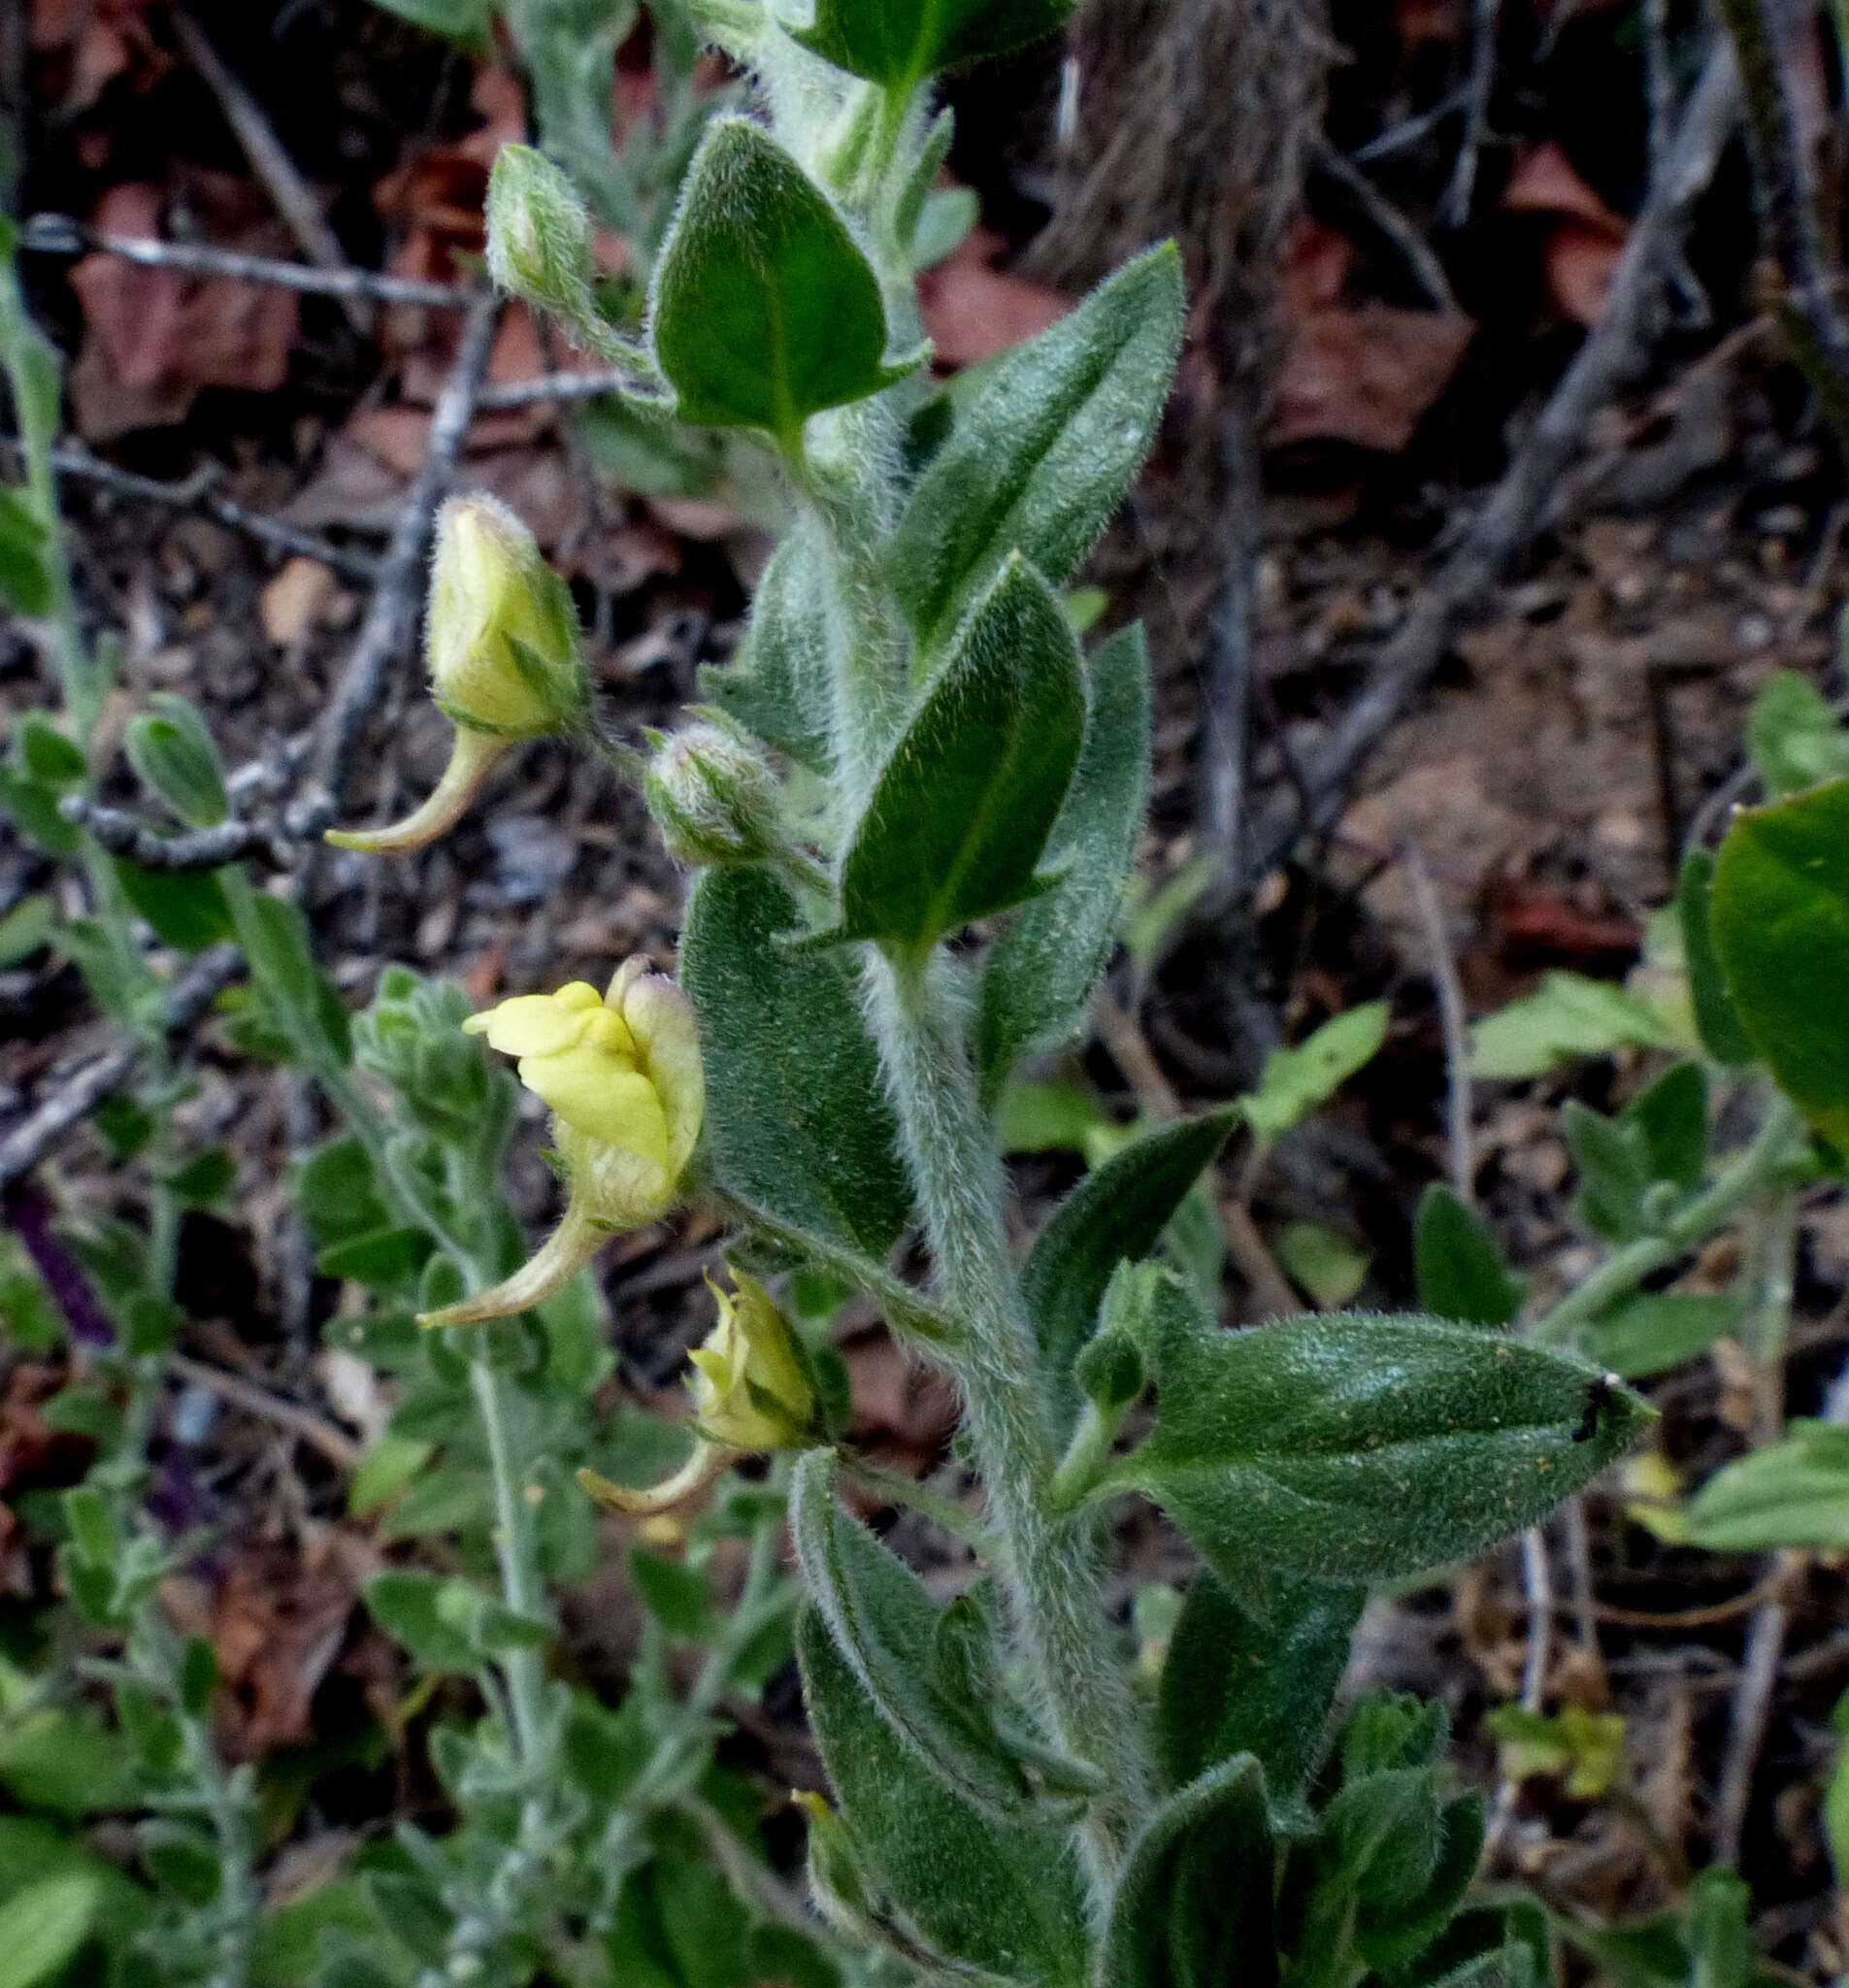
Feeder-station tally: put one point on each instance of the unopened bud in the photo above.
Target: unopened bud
(1109, 1369)
(750, 1388)
(501, 641)
(714, 796)
(539, 235)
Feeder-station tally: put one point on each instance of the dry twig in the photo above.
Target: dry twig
(124, 834)
(1452, 1019)
(341, 1450)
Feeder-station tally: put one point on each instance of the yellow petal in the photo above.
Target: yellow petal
(660, 1019)
(531, 1024)
(603, 1097)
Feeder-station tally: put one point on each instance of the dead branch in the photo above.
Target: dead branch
(124, 834)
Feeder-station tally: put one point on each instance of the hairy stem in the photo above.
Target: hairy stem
(1050, 1564)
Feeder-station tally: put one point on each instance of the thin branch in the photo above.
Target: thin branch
(560, 386)
(272, 164)
(1486, 19)
(196, 492)
(1452, 1019)
(341, 1450)
(78, 1095)
(60, 233)
(1427, 270)
(1785, 194)
(1747, 1730)
(124, 834)
(393, 612)
(1520, 502)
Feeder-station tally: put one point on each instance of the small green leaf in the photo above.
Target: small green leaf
(386, 1468)
(1113, 1216)
(1324, 1264)
(338, 1194)
(675, 1593)
(1257, 1680)
(945, 222)
(466, 23)
(778, 684)
(1360, 1447)
(386, 1259)
(1795, 739)
(899, 42)
(406, 1603)
(1716, 1019)
(42, 1927)
(1040, 458)
(1040, 971)
(1457, 1266)
(1296, 1081)
(800, 1129)
(1001, 1897)
(64, 1758)
(1795, 1494)
(27, 929)
(275, 940)
(1046, 1117)
(764, 311)
(205, 1180)
(186, 908)
(44, 752)
(1613, 1159)
(962, 809)
(176, 757)
(885, 1627)
(1568, 1016)
(24, 578)
(1671, 1115)
(1781, 926)
(1194, 1907)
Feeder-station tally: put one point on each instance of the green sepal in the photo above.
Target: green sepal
(1716, 1019)
(1193, 1907)
(1040, 456)
(898, 44)
(1039, 973)
(1780, 911)
(763, 310)
(778, 684)
(886, 1627)
(1004, 1897)
(961, 811)
(801, 1128)
(1114, 1215)
(1457, 1267)
(1360, 1447)
(1255, 1681)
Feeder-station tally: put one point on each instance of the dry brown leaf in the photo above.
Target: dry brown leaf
(277, 1623)
(971, 310)
(154, 337)
(1316, 266)
(100, 39)
(1581, 250)
(291, 602)
(1366, 375)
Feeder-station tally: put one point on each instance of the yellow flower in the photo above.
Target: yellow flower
(623, 1075)
(749, 1390)
(502, 644)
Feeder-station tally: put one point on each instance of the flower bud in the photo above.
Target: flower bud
(539, 235)
(501, 641)
(750, 1388)
(623, 1075)
(714, 796)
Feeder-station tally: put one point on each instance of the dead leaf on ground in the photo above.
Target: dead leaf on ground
(277, 1623)
(1581, 247)
(99, 40)
(156, 336)
(971, 310)
(290, 604)
(904, 1412)
(1366, 375)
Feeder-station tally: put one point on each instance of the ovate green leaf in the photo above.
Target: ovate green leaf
(899, 43)
(1568, 1016)
(1040, 457)
(42, 1927)
(1795, 1494)
(963, 807)
(778, 684)
(1457, 1265)
(1795, 739)
(1716, 1019)
(1040, 971)
(1294, 1081)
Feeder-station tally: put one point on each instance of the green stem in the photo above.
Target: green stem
(1050, 1564)
(1620, 1275)
(513, 1548)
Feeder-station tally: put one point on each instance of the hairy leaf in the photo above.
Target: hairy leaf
(1040, 456)
(899, 43)
(797, 1118)
(1040, 971)
(1716, 1019)
(961, 811)
(778, 684)
(1457, 1265)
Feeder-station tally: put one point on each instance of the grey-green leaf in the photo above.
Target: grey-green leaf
(1001, 1897)
(1360, 1447)
(1040, 456)
(1194, 1907)
(1112, 1215)
(778, 684)
(1254, 1679)
(796, 1117)
(1457, 1266)
(1716, 1019)
(43, 1925)
(962, 809)
(885, 1627)
(1793, 1494)
(1040, 971)
(764, 311)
